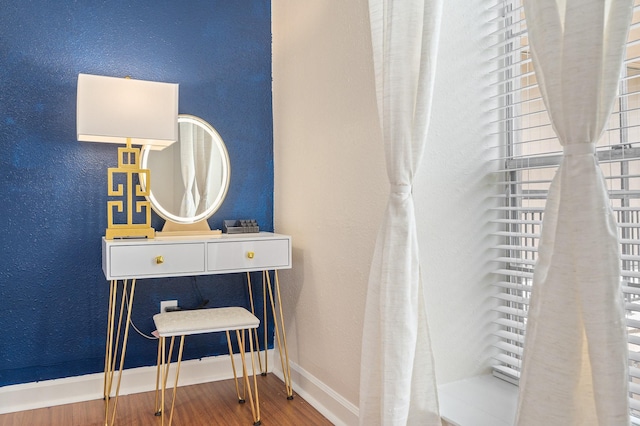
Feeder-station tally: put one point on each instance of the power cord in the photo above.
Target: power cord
(203, 302)
(146, 336)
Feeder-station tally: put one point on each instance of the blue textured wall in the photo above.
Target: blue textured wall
(53, 294)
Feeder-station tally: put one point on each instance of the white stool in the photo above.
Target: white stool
(184, 323)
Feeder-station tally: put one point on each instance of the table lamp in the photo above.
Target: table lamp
(127, 111)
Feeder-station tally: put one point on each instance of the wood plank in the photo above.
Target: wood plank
(206, 404)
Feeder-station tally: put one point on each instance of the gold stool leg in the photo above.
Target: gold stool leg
(255, 409)
(165, 362)
(233, 367)
(255, 381)
(159, 365)
(165, 372)
(175, 384)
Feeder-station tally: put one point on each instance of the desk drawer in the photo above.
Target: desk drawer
(128, 261)
(249, 255)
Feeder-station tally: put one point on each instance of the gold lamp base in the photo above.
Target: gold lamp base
(128, 166)
(114, 233)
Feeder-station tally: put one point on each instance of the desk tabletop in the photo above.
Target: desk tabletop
(198, 238)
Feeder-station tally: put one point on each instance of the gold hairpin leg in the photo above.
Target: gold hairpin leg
(263, 371)
(279, 330)
(280, 333)
(264, 314)
(113, 344)
(108, 346)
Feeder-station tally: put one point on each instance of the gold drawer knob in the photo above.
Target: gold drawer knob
(159, 260)
(250, 255)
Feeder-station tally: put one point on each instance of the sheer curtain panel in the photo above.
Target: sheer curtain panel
(574, 368)
(188, 167)
(203, 152)
(397, 380)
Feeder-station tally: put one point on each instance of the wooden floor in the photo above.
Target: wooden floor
(207, 404)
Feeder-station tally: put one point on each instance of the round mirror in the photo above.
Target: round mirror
(190, 178)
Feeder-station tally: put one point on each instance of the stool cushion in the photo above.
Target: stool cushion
(198, 321)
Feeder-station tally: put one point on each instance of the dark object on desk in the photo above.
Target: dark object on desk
(240, 226)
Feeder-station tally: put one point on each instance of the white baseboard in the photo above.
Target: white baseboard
(328, 402)
(49, 393)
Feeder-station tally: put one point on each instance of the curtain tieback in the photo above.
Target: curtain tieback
(400, 189)
(580, 149)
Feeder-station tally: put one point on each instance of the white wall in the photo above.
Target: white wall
(331, 187)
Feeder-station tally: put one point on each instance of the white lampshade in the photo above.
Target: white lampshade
(112, 109)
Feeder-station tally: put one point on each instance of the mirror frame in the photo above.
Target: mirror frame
(226, 174)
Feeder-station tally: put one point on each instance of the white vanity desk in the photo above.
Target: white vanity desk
(124, 261)
(186, 256)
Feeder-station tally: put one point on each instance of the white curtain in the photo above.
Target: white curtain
(204, 177)
(188, 167)
(397, 380)
(575, 355)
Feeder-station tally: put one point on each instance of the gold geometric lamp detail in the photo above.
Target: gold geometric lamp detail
(128, 112)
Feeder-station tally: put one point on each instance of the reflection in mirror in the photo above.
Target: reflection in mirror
(190, 178)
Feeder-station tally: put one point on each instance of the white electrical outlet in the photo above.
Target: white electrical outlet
(167, 304)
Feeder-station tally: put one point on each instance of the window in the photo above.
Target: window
(530, 154)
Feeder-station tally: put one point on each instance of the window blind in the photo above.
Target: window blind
(528, 155)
